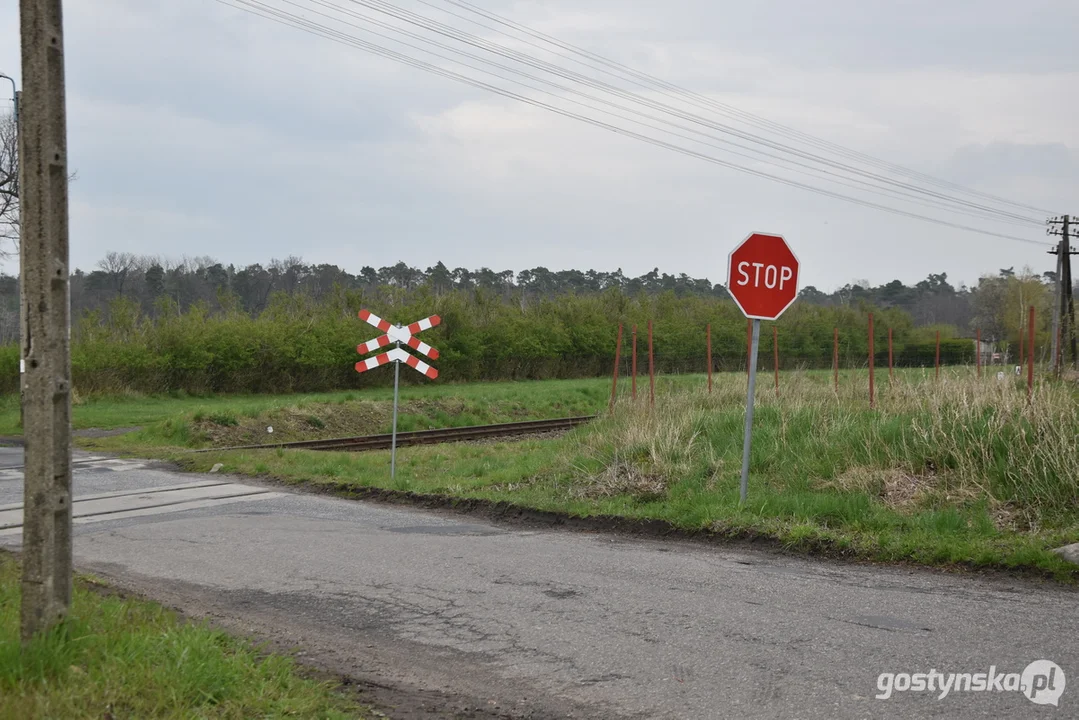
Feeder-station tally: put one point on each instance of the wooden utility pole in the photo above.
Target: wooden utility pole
(936, 362)
(1030, 361)
(891, 359)
(46, 351)
(835, 356)
(614, 375)
(1055, 362)
(1069, 301)
(978, 350)
(708, 342)
(651, 369)
(1022, 351)
(1064, 311)
(872, 394)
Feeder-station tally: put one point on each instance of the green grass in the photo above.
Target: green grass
(121, 658)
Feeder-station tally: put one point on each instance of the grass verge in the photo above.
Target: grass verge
(116, 657)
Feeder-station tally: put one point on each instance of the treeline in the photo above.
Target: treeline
(298, 343)
(146, 279)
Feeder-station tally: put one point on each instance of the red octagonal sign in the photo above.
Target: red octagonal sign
(762, 276)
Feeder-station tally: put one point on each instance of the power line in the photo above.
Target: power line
(292, 20)
(297, 22)
(799, 167)
(646, 80)
(467, 38)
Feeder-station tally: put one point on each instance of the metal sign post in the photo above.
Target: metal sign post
(762, 278)
(749, 407)
(393, 437)
(397, 334)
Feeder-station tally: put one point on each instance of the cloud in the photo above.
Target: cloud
(132, 226)
(1000, 159)
(967, 35)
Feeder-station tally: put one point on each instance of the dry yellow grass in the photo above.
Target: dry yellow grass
(952, 440)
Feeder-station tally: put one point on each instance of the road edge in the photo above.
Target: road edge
(512, 515)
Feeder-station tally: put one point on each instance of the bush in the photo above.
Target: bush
(300, 345)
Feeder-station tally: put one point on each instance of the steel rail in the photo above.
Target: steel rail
(421, 437)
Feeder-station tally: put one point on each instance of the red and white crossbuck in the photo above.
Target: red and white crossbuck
(403, 334)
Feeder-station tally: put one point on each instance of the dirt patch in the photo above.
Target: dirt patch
(321, 421)
(623, 478)
(286, 424)
(1008, 517)
(902, 491)
(898, 489)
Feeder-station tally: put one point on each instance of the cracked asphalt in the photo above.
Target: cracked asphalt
(437, 616)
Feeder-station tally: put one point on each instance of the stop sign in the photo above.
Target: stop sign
(762, 276)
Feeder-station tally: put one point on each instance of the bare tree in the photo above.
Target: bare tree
(145, 262)
(9, 187)
(117, 267)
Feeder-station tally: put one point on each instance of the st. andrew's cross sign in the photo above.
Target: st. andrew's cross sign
(398, 335)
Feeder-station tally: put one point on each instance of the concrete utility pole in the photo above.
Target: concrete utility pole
(1055, 340)
(1066, 304)
(46, 351)
(1069, 302)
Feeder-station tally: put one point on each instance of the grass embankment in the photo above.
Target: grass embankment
(121, 658)
(959, 471)
(243, 419)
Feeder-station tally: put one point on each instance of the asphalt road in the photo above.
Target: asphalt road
(493, 621)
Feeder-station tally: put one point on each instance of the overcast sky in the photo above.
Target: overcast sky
(196, 129)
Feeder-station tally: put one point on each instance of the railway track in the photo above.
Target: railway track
(424, 437)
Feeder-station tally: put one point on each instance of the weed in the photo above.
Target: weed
(223, 418)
